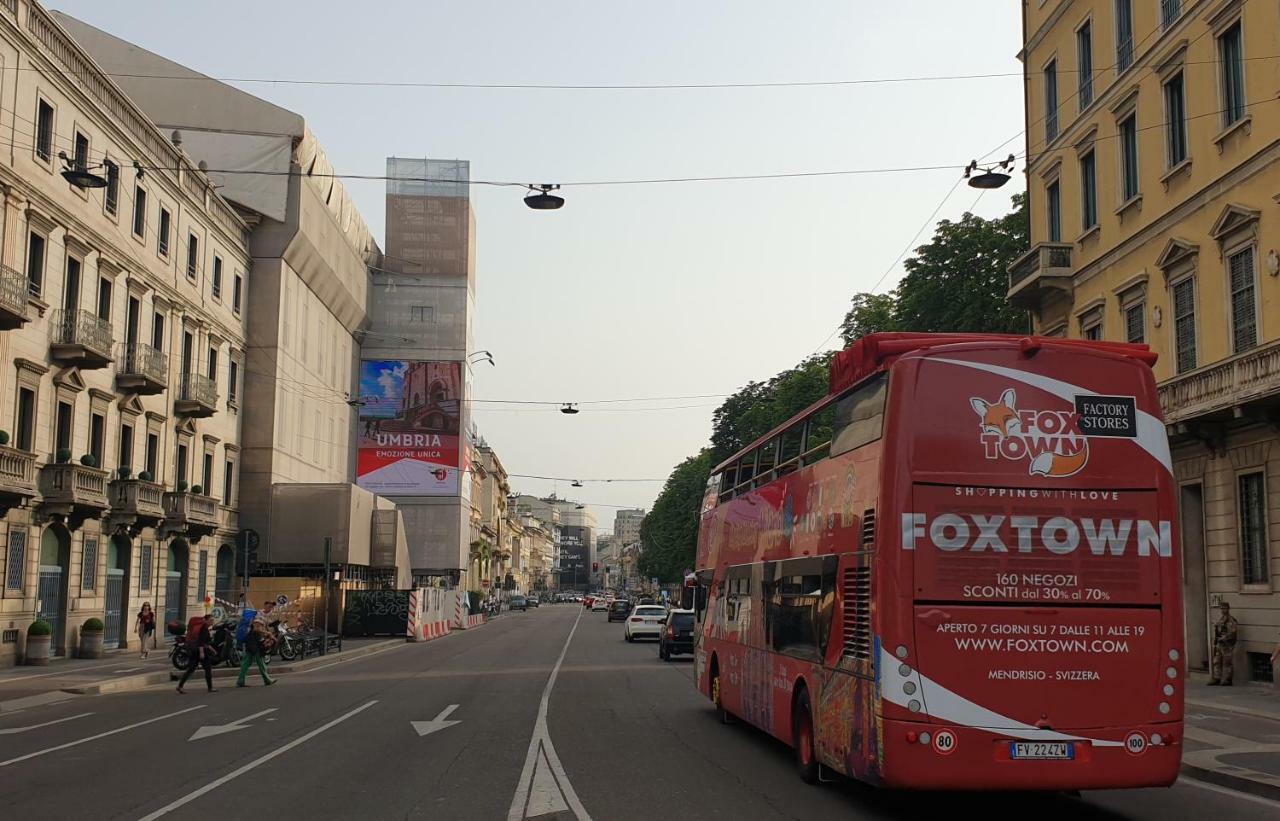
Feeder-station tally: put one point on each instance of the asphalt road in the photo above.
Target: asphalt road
(547, 727)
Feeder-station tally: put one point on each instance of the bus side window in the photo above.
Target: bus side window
(859, 416)
(789, 445)
(746, 470)
(817, 438)
(768, 454)
(727, 482)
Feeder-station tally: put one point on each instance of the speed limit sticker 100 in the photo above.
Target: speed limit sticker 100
(944, 742)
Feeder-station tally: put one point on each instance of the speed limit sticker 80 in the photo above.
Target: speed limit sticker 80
(944, 742)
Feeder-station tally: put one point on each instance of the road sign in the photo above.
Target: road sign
(282, 600)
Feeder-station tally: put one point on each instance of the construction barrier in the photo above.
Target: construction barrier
(462, 620)
(428, 616)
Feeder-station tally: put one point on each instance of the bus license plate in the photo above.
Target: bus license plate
(1041, 751)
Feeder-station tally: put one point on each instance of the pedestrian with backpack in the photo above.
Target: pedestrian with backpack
(257, 643)
(200, 651)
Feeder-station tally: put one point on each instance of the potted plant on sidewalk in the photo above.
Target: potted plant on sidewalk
(91, 638)
(39, 640)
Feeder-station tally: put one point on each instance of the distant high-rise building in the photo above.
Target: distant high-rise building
(626, 526)
(422, 307)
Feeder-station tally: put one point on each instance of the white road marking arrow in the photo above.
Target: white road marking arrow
(437, 723)
(218, 729)
(16, 730)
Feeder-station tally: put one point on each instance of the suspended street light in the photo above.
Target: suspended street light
(542, 199)
(990, 177)
(79, 175)
(569, 408)
(576, 483)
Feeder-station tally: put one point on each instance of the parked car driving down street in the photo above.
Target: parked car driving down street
(645, 622)
(677, 634)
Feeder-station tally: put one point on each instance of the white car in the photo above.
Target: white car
(599, 604)
(645, 621)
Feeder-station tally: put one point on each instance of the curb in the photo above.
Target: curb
(1231, 708)
(1239, 783)
(126, 683)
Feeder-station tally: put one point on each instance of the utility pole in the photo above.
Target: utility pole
(328, 549)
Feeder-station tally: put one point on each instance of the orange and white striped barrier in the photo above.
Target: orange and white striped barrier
(415, 615)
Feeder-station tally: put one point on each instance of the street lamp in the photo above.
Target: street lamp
(542, 199)
(481, 356)
(569, 408)
(79, 175)
(989, 178)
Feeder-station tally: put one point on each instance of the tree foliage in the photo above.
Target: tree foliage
(669, 533)
(956, 282)
(759, 407)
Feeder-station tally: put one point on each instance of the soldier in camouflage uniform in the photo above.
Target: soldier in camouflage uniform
(1224, 647)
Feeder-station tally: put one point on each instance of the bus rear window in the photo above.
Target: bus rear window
(859, 416)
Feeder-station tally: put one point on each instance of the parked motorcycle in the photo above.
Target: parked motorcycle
(288, 642)
(223, 643)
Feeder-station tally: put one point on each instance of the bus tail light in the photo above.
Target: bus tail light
(911, 736)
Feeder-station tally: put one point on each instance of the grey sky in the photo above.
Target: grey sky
(636, 291)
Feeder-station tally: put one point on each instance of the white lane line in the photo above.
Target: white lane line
(67, 672)
(16, 730)
(1204, 785)
(236, 773)
(541, 741)
(78, 741)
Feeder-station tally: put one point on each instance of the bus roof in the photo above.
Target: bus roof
(875, 353)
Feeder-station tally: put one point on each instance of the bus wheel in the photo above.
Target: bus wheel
(802, 738)
(725, 716)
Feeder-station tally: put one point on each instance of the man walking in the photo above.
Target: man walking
(1224, 646)
(256, 644)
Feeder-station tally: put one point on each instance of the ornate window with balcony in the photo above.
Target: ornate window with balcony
(1236, 232)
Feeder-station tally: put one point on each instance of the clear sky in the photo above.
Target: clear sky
(636, 290)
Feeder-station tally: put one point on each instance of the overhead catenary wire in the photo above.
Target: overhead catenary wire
(516, 86)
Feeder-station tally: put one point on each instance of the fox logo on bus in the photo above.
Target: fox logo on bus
(1049, 439)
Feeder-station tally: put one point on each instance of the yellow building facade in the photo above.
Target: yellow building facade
(1153, 172)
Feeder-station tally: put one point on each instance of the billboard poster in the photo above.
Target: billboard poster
(574, 552)
(409, 427)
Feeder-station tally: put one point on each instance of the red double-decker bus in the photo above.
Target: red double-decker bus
(959, 570)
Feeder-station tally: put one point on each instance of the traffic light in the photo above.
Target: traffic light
(595, 566)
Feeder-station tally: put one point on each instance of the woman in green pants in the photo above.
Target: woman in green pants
(256, 646)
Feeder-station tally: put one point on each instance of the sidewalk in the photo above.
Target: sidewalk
(1232, 736)
(22, 687)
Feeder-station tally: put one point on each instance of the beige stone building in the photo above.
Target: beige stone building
(1153, 172)
(311, 253)
(123, 349)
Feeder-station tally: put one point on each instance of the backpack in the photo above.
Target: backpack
(245, 625)
(193, 629)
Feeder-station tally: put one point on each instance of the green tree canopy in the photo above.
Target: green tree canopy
(669, 533)
(956, 282)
